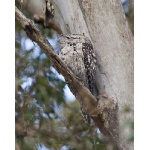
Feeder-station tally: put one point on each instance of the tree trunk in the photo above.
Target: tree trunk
(105, 24)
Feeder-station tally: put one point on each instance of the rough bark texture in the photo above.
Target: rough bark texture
(105, 24)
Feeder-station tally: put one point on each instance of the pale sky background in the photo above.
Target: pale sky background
(28, 45)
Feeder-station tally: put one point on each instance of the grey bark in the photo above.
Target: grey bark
(105, 24)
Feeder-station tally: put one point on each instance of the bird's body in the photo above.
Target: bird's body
(78, 54)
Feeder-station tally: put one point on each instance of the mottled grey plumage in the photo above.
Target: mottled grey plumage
(78, 54)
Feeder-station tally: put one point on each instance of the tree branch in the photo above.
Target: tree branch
(50, 25)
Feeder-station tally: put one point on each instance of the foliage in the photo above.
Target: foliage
(128, 124)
